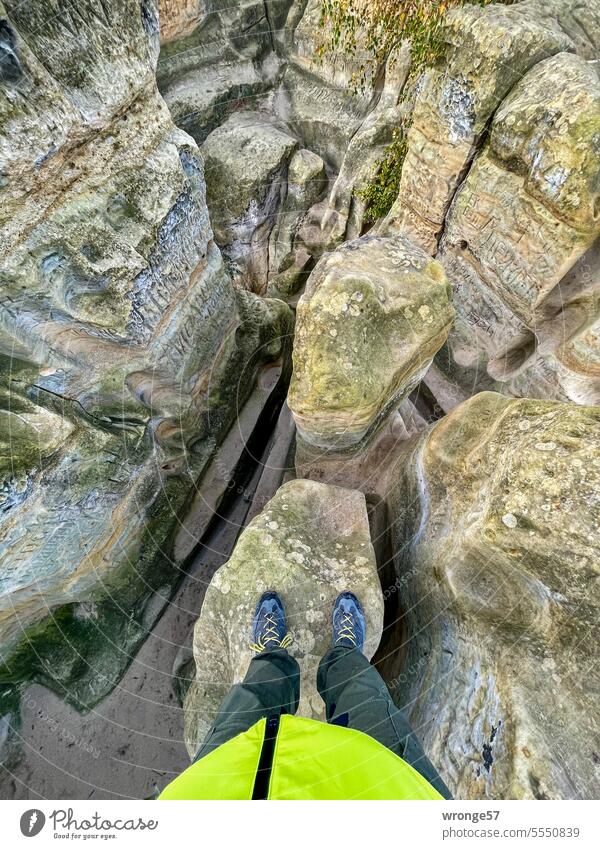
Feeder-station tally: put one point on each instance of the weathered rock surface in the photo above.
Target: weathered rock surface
(316, 92)
(124, 347)
(306, 181)
(349, 125)
(126, 352)
(246, 161)
(497, 551)
(527, 211)
(310, 542)
(179, 18)
(226, 62)
(488, 51)
(374, 313)
(491, 54)
(502, 164)
(241, 58)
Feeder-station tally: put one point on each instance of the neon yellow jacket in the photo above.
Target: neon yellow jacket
(297, 758)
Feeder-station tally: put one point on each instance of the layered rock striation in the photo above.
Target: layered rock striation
(125, 349)
(496, 550)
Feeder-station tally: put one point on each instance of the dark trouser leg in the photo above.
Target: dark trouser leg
(271, 685)
(355, 695)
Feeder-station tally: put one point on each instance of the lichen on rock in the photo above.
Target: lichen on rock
(310, 543)
(499, 504)
(374, 313)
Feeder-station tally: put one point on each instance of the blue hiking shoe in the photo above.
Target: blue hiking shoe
(268, 628)
(349, 626)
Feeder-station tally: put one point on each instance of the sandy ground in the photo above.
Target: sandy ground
(131, 744)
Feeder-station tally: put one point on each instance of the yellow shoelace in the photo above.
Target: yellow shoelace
(347, 629)
(271, 636)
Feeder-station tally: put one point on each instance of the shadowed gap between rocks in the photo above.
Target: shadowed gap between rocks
(134, 734)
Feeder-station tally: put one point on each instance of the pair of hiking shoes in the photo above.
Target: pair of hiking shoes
(269, 629)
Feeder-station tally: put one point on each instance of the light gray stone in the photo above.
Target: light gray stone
(246, 161)
(310, 543)
(500, 586)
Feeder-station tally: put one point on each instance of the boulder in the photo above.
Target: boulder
(246, 162)
(497, 547)
(374, 313)
(310, 543)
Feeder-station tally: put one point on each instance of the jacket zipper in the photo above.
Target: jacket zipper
(265, 761)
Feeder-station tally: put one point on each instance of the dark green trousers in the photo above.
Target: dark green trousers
(354, 693)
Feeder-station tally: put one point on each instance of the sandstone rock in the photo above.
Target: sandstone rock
(124, 345)
(374, 313)
(292, 276)
(316, 94)
(578, 365)
(202, 98)
(225, 62)
(341, 215)
(493, 507)
(240, 57)
(246, 162)
(525, 299)
(179, 18)
(488, 51)
(499, 501)
(288, 262)
(310, 543)
(306, 181)
(527, 211)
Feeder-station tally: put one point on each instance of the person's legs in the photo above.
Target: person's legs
(271, 685)
(356, 696)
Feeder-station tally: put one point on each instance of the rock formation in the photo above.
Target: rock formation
(125, 348)
(306, 181)
(226, 62)
(528, 210)
(311, 542)
(246, 161)
(179, 18)
(265, 70)
(489, 50)
(497, 550)
(163, 195)
(373, 314)
(515, 207)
